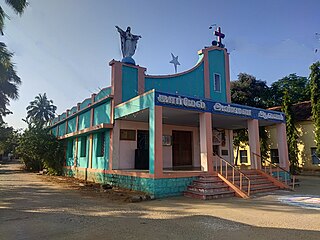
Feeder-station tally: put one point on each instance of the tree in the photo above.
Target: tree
(292, 133)
(8, 139)
(9, 80)
(39, 149)
(297, 87)
(41, 110)
(315, 101)
(247, 90)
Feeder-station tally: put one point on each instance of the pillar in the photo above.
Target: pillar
(206, 151)
(254, 143)
(283, 146)
(155, 141)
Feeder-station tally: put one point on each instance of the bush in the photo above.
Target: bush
(39, 149)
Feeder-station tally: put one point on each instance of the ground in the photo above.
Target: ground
(32, 207)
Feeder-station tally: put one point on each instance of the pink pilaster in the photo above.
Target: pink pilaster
(110, 149)
(92, 110)
(206, 151)
(227, 73)
(90, 150)
(283, 146)
(141, 79)
(254, 143)
(158, 158)
(116, 81)
(206, 74)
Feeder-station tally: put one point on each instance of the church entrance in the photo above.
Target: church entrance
(182, 149)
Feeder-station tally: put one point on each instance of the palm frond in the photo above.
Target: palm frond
(18, 5)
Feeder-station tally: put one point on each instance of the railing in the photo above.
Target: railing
(277, 170)
(230, 172)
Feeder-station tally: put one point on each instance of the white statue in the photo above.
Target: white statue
(128, 44)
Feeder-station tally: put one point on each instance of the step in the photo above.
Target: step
(208, 189)
(208, 196)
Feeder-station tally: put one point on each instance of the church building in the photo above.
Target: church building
(159, 134)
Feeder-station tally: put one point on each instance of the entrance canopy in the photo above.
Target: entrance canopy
(184, 111)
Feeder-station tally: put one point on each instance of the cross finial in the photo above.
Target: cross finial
(220, 36)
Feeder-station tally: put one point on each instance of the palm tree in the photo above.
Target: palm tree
(9, 80)
(40, 111)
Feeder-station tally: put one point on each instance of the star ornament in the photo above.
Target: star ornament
(175, 62)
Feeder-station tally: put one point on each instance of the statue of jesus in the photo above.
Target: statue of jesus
(128, 44)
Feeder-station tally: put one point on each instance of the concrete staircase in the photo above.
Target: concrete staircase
(209, 187)
(213, 187)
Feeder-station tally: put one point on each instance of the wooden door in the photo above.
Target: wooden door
(182, 148)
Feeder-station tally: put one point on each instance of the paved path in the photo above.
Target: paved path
(33, 209)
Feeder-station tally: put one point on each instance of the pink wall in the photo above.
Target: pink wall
(123, 155)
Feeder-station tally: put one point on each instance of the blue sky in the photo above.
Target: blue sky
(63, 47)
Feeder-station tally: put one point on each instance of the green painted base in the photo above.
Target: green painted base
(157, 188)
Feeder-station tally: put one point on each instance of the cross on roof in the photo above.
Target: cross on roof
(220, 35)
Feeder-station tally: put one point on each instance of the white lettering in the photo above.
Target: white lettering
(275, 116)
(179, 101)
(229, 109)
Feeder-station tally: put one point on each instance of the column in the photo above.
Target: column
(283, 146)
(254, 143)
(155, 141)
(206, 151)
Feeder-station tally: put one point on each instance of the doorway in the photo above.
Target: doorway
(181, 148)
(142, 151)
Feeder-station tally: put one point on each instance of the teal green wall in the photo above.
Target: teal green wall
(104, 92)
(63, 116)
(73, 110)
(85, 103)
(129, 82)
(62, 129)
(55, 131)
(135, 105)
(83, 161)
(100, 162)
(102, 114)
(84, 120)
(158, 188)
(217, 65)
(70, 152)
(190, 84)
(72, 125)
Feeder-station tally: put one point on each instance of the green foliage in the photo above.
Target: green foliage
(315, 101)
(38, 149)
(8, 139)
(247, 90)
(292, 133)
(9, 81)
(40, 111)
(296, 86)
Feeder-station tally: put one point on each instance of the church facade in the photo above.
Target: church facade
(157, 134)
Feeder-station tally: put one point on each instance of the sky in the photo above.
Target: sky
(63, 47)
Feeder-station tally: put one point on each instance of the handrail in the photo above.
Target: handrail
(271, 164)
(223, 170)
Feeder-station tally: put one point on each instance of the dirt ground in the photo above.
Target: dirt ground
(40, 207)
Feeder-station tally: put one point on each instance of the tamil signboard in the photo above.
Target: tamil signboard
(204, 105)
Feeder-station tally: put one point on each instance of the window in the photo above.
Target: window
(315, 158)
(224, 152)
(217, 83)
(274, 155)
(83, 146)
(100, 144)
(243, 156)
(129, 135)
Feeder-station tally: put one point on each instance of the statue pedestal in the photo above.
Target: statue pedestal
(128, 60)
